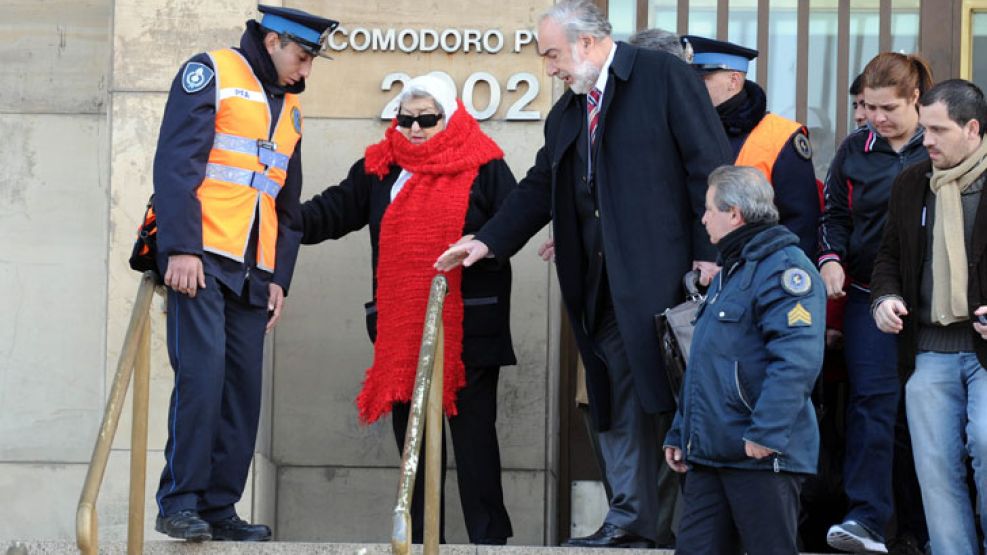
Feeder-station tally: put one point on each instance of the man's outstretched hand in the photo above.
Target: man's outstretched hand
(462, 252)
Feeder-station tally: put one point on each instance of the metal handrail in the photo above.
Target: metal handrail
(135, 358)
(428, 387)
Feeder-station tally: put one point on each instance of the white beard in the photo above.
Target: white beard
(584, 75)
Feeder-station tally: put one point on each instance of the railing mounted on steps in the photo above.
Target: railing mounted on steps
(135, 358)
(428, 389)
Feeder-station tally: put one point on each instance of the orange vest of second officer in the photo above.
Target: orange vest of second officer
(247, 164)
(765, 143)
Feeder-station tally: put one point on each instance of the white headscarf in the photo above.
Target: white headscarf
(435, 86)
(440, 88)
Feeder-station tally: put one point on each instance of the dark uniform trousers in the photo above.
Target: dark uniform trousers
(215, 343)
(474, 443)
(762, 518)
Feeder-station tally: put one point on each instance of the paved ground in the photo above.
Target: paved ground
(298, 548)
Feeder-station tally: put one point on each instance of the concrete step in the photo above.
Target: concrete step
(299, 548)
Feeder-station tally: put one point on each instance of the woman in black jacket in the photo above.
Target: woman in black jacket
(434, 178)
(857, 190)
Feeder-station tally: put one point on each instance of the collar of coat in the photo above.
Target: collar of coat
(620, 68)
(768, 242)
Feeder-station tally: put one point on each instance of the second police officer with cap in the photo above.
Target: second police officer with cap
(227, 178)
(777, 146)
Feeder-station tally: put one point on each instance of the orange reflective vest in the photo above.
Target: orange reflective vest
(247, 164)
(765, 143)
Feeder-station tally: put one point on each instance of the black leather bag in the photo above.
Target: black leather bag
(675, 326)
(144, 256)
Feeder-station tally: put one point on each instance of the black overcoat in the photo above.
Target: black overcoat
(658, 139)
(362, 199)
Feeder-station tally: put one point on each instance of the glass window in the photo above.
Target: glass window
(662, 14)
(742, 28)
(702, 18)
(904, 25)
(623, 16)
(978, 53)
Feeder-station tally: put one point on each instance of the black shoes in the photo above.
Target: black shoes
(188, 525)
(237, 530)
(184, 525)
(610, 535)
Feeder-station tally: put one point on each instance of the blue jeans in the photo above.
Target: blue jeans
(946, 400)
(871, 359)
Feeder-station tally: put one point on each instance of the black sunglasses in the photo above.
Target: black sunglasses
(425, 121)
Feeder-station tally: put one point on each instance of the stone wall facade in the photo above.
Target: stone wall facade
(85, 83)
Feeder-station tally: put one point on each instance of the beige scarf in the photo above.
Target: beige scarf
(949, 270)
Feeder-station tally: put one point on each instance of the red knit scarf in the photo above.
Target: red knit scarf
(426, 216)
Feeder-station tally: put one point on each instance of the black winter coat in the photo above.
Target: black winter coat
(898, 268)
(656, 144)
(361, 199)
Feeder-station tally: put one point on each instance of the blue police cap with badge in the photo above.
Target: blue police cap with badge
(715, 55)
(308, 31)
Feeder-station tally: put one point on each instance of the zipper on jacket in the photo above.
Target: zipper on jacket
(777, 467)
(719, 288)
(740, 391)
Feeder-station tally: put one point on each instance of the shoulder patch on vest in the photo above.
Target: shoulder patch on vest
(196, 76)
(296, 119)
(802, 146)
(796, 281)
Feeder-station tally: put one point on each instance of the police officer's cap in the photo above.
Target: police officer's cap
(307, 30)
(713, 55)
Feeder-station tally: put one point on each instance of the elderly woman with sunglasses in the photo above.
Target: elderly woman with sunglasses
(434, 178)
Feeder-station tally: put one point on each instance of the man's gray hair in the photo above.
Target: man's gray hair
(660, 40)
(747, 189)
(579, 17)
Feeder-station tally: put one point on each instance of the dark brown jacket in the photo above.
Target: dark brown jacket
(898, 268)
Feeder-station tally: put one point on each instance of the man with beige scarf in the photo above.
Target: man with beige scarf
(928, 286)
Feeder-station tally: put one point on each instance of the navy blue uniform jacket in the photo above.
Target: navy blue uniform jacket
(186, 137)
(657, 145)
(751, 367)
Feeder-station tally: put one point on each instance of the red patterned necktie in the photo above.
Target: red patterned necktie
(593, 112)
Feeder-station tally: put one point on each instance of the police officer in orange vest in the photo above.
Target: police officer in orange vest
(227, 177)
(777, 146)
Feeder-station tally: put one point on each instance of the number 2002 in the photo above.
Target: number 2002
(516, 112)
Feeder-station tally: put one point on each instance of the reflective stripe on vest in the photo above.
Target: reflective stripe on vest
(247, 164)
(765, 143)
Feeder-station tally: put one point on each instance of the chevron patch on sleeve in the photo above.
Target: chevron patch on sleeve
(798, 316)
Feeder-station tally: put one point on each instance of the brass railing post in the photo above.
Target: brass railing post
(134, 346)
(429, 358)
(138, 443)
(433, 451)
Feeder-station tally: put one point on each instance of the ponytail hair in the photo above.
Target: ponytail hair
(906, 73)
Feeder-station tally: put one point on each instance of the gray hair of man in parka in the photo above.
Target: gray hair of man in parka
(747, 189)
